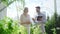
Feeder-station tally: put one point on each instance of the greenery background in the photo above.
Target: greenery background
(10, 26)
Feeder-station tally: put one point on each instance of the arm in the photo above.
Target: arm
(35, 19)
(27, 22)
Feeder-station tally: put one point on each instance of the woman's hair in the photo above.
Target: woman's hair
(26, 8)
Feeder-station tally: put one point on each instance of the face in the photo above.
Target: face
(26, 10)
(38, 9)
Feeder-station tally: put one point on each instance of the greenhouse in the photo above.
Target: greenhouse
(11, 11)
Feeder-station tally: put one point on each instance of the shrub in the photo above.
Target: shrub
(9, 26)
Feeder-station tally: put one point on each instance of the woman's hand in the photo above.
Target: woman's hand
(33, 19)
(28, 22)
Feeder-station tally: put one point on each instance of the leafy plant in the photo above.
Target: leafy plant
(9, 26)
(52, 24)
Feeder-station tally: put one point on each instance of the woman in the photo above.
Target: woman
(25, 19)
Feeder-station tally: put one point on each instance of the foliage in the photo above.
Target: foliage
(52, 24)
(6, 3)
(35, 29)
(9, 26)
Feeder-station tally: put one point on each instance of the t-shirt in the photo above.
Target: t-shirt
(40, 18)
